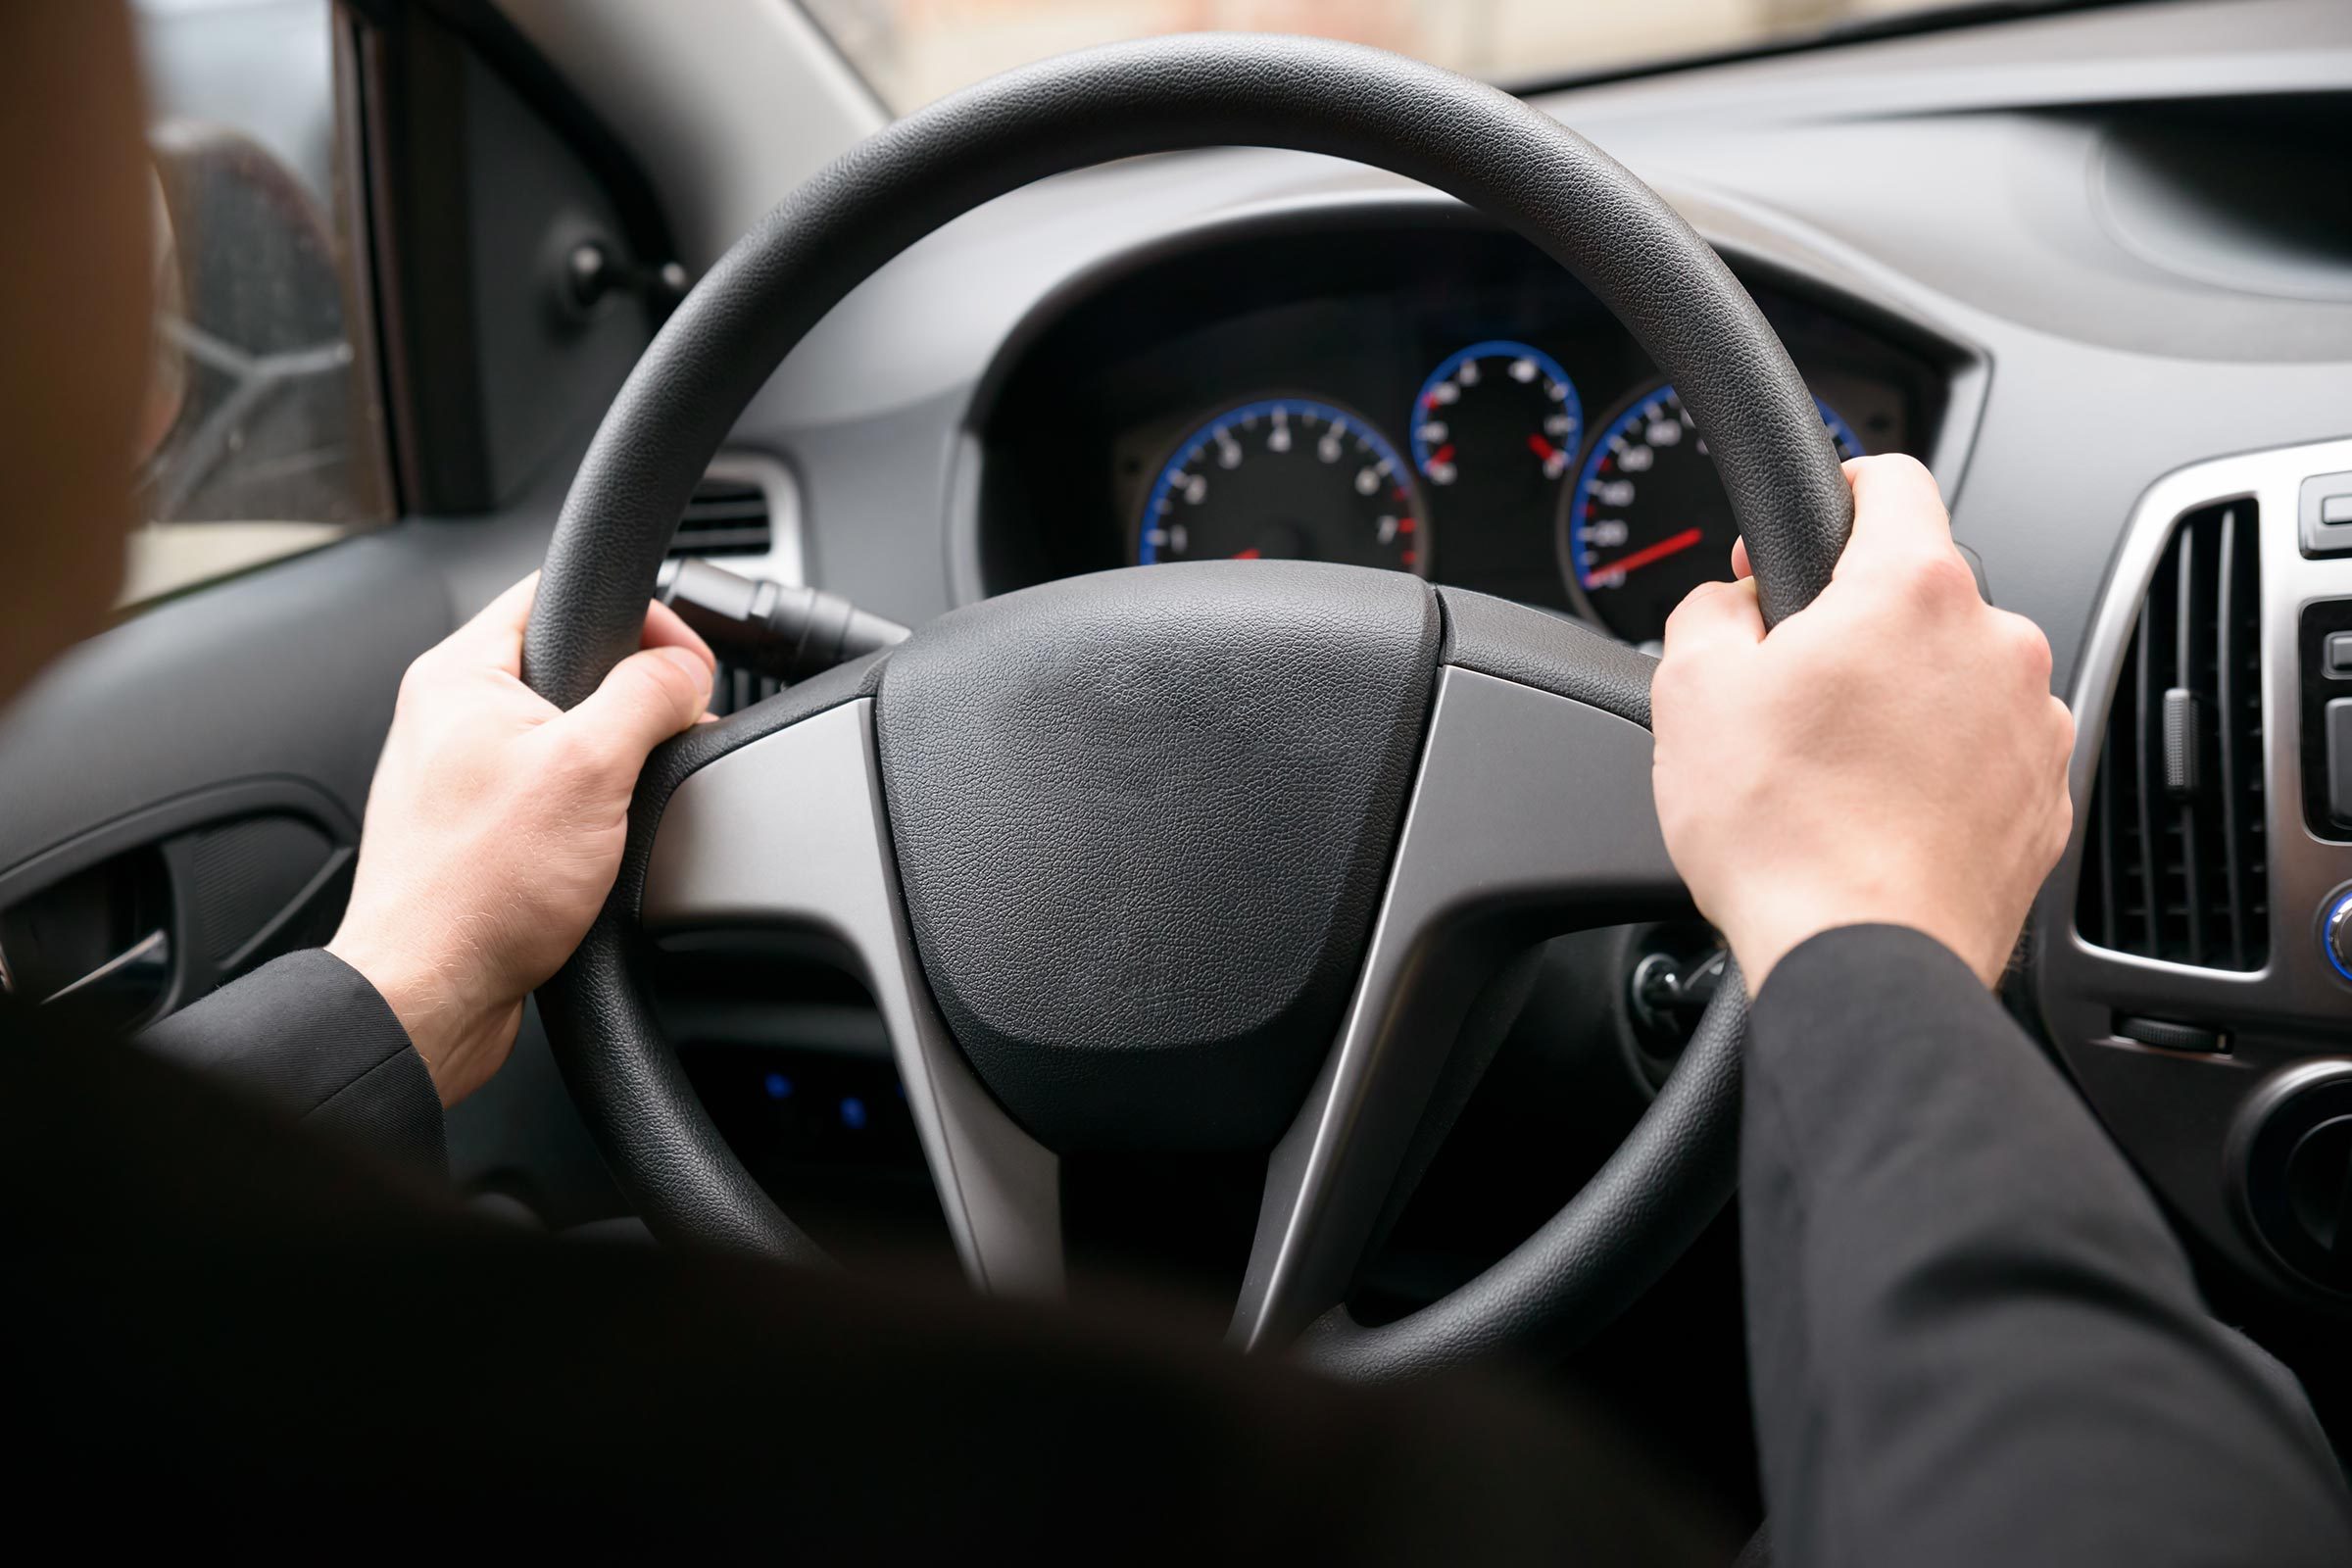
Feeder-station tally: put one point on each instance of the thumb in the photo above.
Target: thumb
(1715, 617)
(647, 698)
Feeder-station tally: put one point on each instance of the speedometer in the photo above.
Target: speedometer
(1647, 520)
(1291, 478)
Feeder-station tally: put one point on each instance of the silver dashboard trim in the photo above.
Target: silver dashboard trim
(2295, 988)
(1531, 814)
(791, 830)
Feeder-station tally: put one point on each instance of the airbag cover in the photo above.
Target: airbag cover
(1143, 820)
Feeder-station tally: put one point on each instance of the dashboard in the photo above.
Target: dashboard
(1429, 397)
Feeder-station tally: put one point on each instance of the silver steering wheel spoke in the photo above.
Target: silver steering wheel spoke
(789, 831)
(1530, 816)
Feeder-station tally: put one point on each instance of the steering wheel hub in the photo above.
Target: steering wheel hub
(1142, 822)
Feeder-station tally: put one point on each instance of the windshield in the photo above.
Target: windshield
(914, 51)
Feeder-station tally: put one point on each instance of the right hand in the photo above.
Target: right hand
(1890, 753)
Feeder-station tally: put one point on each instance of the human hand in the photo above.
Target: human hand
(1890, 753)
(494, 827)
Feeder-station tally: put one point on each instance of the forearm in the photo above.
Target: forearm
(309, 1035)
(1973, 1339)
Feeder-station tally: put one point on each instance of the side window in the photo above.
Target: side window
(263, 431)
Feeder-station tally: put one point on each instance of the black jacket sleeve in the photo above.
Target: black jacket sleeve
(216, 1324)
(1974, 1339)
(309, 1035)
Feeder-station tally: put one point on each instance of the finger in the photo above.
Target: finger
(1740, 566)
(1715, 615)
(1899, 513)
(665, 629)
(494, 637)
(647, 698)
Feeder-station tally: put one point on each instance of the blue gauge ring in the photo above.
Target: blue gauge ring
(1850, 445)
(1147, 553)
(1493, 348)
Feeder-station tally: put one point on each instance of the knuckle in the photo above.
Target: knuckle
(2026, 645)
(585, 750)
(1938, 579)
(417, 682)
(1912, 585)
(1900, 465)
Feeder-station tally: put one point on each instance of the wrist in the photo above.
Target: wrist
(1760, 941)
(462, 1037)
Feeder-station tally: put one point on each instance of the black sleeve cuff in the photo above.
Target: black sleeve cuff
(307, 1033)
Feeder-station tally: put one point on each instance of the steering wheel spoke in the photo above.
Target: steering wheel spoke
(1530, 816)
(788, 832)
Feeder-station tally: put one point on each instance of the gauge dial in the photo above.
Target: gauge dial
(1497, 424)
(1286, 478)
(1647, 520)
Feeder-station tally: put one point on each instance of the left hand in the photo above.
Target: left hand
(494, 827)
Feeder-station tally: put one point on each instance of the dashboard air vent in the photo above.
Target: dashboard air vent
(726, 516)
(2173, 865)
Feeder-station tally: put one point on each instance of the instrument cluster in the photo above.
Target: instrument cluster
(1474, 418)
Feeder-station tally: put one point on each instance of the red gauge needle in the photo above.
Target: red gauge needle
(1251, 553)
(1674, 544)
(1544, 449)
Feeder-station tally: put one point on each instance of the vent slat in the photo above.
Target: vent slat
(726, 518)
(2101, 863)
(2174, 868)
(2143, 702)
(2185, 670)
(2225, 593)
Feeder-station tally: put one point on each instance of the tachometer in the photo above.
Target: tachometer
(1647, 520)
(1285, 478)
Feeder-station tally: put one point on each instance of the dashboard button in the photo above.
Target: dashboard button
(2338, 733)
(2326, 515)
(2336, 659)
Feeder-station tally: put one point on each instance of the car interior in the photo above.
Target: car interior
(450, 288)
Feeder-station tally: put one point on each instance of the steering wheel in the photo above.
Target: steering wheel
(1217, 857)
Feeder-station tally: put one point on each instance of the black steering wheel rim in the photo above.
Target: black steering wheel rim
(1482, 146)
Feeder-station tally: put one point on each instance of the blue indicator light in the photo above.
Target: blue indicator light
(2336, 913)
(852, 1113)
(779, 1087)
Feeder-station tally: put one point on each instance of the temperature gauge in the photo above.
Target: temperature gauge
(1495, 427)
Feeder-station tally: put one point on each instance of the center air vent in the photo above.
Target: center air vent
(2173, 865)
(727, 515)
(745, 507)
